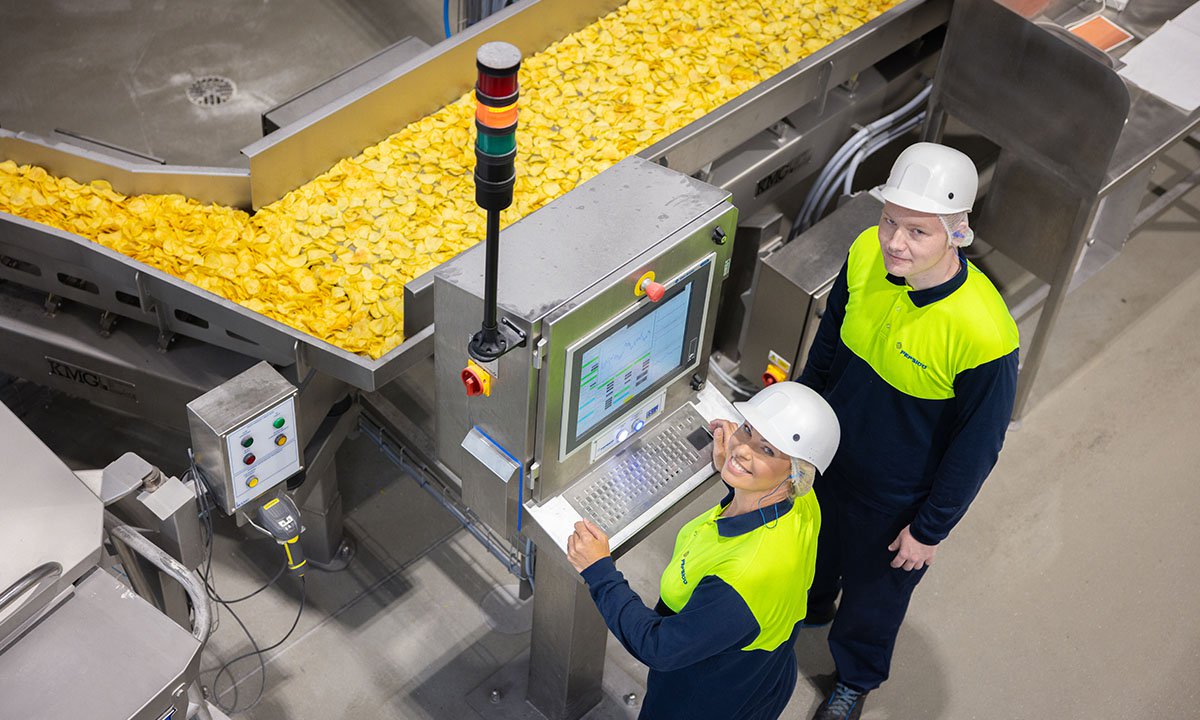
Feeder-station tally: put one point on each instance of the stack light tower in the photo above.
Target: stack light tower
(496, 93)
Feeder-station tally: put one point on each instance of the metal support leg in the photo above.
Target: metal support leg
(1063, 273)
(321, 515)
(935, 120)
(135, 574)
(324, 542)
(566, 659)
(175, 600)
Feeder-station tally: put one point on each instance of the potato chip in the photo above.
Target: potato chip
(330, 258)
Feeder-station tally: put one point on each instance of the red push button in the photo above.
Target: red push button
(653, 290)
(249, 459)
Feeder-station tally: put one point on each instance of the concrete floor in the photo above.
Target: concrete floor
(1070, 590)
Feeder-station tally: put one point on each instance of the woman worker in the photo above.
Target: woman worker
(719, 644)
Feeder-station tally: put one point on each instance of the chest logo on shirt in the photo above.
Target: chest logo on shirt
(683, 568)
(910, 358)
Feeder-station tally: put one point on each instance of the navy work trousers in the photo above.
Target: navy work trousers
(853, 557)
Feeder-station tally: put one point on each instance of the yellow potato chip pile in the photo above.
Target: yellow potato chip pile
(331, 258)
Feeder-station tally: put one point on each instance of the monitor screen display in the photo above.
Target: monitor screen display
(638, 353)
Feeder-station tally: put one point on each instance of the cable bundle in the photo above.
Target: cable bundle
(838, 174)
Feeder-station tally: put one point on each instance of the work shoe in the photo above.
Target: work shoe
(819, 616)
(844, 703)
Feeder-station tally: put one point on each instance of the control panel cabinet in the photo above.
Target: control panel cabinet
(244, 436)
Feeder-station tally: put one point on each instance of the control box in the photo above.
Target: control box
(244, 436)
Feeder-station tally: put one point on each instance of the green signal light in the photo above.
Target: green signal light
(496, 144)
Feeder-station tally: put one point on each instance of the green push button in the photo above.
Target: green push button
(278, 423)
(247, 441)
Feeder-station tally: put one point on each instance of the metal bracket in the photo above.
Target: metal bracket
(108, 321)
(52, 304)
(303, 370)
(823, 77)
(513, 333)
(166, 336)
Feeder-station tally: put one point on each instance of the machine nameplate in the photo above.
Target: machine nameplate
(91, 378)
(779, 174)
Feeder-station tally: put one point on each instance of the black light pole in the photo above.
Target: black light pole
(496, 94)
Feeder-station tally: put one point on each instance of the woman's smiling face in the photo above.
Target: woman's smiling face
(752, 463)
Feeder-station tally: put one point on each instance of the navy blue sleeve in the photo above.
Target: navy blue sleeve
(716, 618)
(829, 332)
(983, 399)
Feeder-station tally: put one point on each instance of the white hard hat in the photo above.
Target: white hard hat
(931, 178)
(795, 419)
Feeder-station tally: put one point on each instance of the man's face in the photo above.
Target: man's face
(913, 242)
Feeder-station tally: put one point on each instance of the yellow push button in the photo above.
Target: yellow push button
(252, 482)
(281, 440)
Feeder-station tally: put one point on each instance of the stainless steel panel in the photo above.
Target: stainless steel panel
(47, 515)
(295, 154)
(792, 286)
(104, 653)
(565, 327)
(1153, 125)
(507, 415)
(735, 122)
(66, 265)
(1028, 91)
(756, 236)
(567, 627)
(1027, 215)
(225, 410)
(585, 249)
(776, 159)
(1057, 114)
(129, 175)
(548, 258)
(174, 507)
(341, 84)
(124, 371)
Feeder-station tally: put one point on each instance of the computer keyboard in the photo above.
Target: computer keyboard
(630, 482)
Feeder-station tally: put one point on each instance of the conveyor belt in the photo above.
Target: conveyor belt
(331, 258)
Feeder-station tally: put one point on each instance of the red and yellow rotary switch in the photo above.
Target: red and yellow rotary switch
(476, 380)
(773, 374)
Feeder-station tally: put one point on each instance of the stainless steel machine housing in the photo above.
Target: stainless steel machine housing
(635, 217)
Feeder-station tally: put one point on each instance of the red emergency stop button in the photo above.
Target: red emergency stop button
(646, 286)
(249, 459)
(653, 290)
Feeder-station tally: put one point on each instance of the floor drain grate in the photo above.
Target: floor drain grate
(211, 90)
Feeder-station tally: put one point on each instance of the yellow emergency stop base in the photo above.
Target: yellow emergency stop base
(637, 288)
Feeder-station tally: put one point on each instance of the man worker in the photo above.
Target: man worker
(917, 355)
